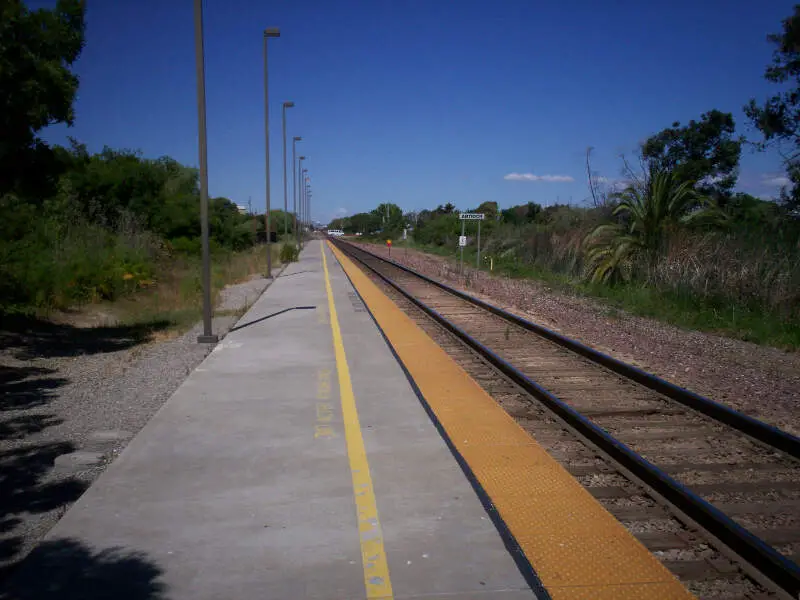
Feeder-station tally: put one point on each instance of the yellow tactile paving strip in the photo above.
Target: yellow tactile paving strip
(577, 548)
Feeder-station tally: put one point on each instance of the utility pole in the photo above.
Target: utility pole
(462, 247)
(252, 218)
(273, 32)
(295, 139)
(478, 258)
(300, 198)
(285, 197)
(208, 336)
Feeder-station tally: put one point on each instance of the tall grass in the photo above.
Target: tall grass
(176, 296)
(120, 274)
(538, 246)
(734, 268)
(741, 283)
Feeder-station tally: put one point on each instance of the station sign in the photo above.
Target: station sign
(472, 216)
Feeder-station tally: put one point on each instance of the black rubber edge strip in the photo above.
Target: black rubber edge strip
(768, 561)
(772, 436)
(509, 541)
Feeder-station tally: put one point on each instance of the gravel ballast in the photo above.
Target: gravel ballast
(760, 381)
(72, 398)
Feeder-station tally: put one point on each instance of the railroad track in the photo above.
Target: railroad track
(713, 493)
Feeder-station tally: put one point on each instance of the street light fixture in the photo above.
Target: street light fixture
(208, 337)
(285, 201)
(271, 32)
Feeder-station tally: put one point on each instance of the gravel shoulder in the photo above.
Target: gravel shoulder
(760, 381)
(71, 399)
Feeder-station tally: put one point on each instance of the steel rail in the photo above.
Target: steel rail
(784, 573)
(763, 432)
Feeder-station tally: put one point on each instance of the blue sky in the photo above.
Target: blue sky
(421, 102)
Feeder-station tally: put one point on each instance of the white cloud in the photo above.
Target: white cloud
(618, 185)
(532, 177)
(341, 212)
(711, 179)
(615, 185)
(777, 181)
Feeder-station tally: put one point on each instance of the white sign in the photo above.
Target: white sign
(471, 216)
(462, 240)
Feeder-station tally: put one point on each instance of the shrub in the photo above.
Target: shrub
(58, 263)
(289, 253)
(646, 213)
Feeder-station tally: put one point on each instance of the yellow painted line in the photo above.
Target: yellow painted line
(577, 548)
(373, 554)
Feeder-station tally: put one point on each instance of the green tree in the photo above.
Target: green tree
(522, 213)
(37, 89)
(533, 211)
(342, 223)
(703, 152)
(447, 209)
(646, 213)
(390, 217)
(559, 217)
(280, 221)
(442, 230)
(489, 208)
(748, 212)
(778, 118)
(363, 223)
(228, 227)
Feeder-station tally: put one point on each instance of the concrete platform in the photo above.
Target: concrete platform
(251, 483)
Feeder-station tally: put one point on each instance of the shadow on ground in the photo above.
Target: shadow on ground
(24, 387)
(25, 488)
(22, 488)
(29, 337)
(28, 487)
(66, 568)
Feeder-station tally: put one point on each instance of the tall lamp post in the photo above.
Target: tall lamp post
(208, 337)
(305, 196)
(285, 201)
(272, 32)
(295, 139)
(308, 201)
(300, 196)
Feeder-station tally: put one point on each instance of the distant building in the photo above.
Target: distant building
(242, 209)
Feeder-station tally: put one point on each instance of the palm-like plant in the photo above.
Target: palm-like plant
(645, 213)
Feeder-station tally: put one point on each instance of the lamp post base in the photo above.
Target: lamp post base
(207, 339)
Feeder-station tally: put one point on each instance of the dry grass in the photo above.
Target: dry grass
(729, 284)
(176, 295)
(737, 270)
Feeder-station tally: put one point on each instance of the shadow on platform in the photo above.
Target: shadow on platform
(66, 568)
(275, 314)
